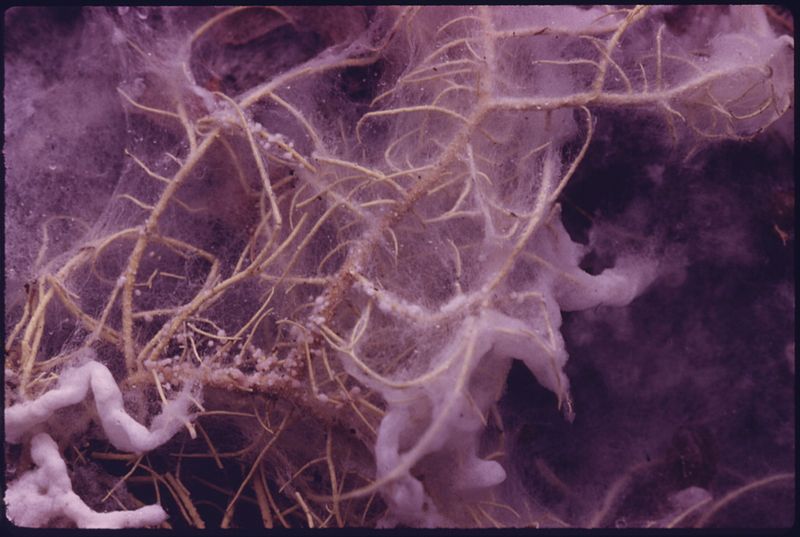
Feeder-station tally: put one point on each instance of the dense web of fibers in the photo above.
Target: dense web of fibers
(299, 258)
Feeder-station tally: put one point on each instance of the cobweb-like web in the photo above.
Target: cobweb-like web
(344, 223)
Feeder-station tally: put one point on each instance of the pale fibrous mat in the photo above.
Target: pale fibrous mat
(333, 252)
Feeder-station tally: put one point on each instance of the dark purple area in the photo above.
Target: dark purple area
(698, 387)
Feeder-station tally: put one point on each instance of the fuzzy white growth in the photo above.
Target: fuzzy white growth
(442, 412)
(577, 290)
(421, 212)
(483, 348)
(46, 493)
(125, 433)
